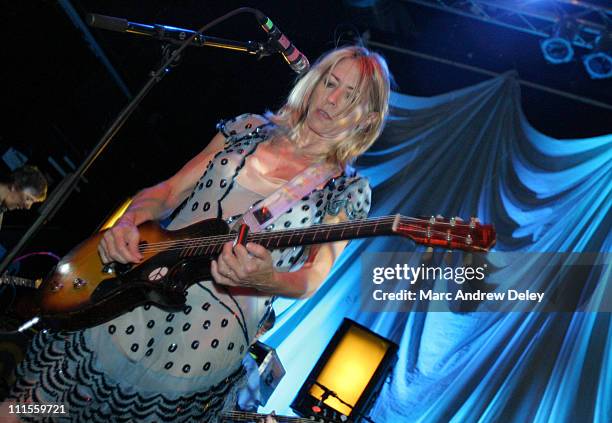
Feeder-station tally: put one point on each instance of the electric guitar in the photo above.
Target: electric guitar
(244, 416)
(16, 296)
(82, 292)
(17, 281)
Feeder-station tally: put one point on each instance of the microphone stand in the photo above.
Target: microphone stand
(68, 184)
(178, 36)
(329, 393)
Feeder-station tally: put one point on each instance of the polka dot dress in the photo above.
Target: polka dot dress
(171, 355)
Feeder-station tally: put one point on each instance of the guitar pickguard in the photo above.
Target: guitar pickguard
(163, 279)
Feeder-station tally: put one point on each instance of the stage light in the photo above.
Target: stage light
(598, 64)
(347, 376)
(558, 48)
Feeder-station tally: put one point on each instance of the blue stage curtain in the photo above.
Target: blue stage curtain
(466, 153)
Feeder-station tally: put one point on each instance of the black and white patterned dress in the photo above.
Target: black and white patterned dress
(151, 365)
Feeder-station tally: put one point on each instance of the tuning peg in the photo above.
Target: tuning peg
(468, 239)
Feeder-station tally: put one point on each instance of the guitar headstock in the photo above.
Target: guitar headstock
(453, 233)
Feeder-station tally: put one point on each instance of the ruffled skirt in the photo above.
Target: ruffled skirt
(60, 368)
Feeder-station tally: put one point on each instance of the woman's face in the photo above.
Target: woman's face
(328, 104)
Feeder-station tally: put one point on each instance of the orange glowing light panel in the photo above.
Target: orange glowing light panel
(349, 375)
(350, 368)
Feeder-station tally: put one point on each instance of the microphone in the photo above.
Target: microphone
(296, 60)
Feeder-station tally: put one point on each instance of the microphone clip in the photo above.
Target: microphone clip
(268, 48)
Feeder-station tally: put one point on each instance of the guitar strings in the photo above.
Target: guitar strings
(207, 241)
(218, 241)
(191, 244)
(211, 240)
(195, 242)
(217, 246)
(346, 225)
(305, 231)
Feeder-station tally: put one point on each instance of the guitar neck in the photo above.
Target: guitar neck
(14, 280)
(431, 231)
(318, 234)
(244, 416)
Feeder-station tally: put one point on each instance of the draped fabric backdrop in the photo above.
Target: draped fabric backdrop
(465, 153)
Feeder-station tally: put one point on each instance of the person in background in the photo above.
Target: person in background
(23, 187)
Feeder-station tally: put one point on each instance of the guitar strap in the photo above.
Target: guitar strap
(281, 200)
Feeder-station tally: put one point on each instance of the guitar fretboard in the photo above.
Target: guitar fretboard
(316, 234)
(445, 233)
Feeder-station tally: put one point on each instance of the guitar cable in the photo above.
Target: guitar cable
(241, 323)
(21, 329)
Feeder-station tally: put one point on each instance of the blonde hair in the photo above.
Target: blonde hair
(371, 91)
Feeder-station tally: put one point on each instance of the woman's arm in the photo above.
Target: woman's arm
(305, 281)
(120, 243)
(252, 267)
